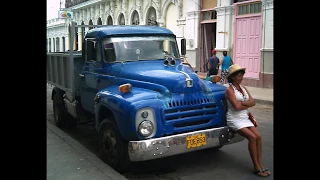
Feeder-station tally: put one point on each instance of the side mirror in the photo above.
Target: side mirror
(183, 46)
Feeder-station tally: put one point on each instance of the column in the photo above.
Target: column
(224, 27)
(267, 31)
(191, 30)
(79, 39)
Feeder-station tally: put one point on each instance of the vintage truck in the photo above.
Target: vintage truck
(144, 102)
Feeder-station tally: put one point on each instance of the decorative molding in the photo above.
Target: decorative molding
(193, 14)
(267, 3)
(180, 7)
(181, 22)
(266, 49)
(225, 10)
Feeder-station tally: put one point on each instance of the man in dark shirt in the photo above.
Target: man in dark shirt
(213, 62)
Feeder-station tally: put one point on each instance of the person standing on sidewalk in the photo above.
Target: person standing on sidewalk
(238, 101)
(212, 64)
(225, 63)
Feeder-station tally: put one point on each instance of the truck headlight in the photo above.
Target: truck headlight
(146, 124)
(146, 128)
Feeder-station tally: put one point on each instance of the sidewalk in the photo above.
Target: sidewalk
(67, 159)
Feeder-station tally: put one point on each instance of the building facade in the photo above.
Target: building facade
(243, 28)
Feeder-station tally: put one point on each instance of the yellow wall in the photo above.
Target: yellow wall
(208, 4)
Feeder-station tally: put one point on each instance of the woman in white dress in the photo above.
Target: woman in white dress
(238, 101)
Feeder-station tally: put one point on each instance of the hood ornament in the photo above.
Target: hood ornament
(189, 81)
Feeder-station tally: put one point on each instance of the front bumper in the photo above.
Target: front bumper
(177, 144)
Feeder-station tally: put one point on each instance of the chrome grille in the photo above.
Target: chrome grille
(190, 111)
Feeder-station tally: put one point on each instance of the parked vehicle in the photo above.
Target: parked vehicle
(145, 103)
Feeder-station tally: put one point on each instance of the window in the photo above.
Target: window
(139, 48)
(91, 50)
(209, 15)
(249, 8)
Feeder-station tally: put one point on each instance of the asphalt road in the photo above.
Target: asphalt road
(229, 163)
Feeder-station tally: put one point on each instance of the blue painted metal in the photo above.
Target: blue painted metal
(118, 30)
(177, 108)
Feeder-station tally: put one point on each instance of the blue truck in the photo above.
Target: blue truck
(144, 101)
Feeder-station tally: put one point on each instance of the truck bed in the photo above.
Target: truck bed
(59, 68)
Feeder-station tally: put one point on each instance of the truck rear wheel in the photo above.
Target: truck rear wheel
(61, 117)
(113, 148)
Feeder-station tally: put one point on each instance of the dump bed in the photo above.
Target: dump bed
(63, 73)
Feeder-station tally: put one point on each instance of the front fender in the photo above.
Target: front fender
(125, 105)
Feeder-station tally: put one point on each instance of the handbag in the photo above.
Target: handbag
(252, 119)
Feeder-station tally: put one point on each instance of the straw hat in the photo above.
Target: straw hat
(234, 68)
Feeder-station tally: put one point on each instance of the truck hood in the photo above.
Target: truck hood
(155, 72)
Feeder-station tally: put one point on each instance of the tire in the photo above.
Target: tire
(61, 117)
(113, 148)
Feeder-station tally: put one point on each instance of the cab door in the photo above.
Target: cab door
(90, 76)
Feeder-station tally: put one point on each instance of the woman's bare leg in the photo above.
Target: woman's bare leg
(259, 146)
(252, 146)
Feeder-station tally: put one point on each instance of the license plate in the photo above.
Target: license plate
(196, 140)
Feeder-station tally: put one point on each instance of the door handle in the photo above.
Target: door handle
(81, 75)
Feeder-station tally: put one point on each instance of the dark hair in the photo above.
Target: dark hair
(230, 80)
(224, 53)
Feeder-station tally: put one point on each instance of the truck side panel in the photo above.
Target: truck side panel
(58, 71)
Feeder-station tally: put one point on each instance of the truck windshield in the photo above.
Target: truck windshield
(139, 48)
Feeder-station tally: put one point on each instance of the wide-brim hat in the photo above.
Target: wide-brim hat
(234, 68)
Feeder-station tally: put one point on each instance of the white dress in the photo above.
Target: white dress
(237, 119)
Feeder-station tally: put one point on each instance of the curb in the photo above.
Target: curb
(109, 172)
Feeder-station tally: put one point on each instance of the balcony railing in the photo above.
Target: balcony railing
(70, 3)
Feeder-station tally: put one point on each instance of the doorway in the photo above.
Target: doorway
(208, 42)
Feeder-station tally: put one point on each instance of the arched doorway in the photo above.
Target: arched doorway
(49, 44)
(121, 20)
(63, 44)
(57, 44)
(90, 23)
(109, 20)
(135, 18)
(99, 21)
(151, 17)
(54, 44)
(76, 39)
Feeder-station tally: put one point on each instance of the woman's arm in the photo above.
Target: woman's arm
(232, 98)
(250, 102)
(221, 61)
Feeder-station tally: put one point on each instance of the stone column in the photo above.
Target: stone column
(79, 39)
(139, 10)
(267, 27)
(112, 7)
(224, 28)
(191, 31)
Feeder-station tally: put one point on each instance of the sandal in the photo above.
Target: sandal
(260, 173)
(266, 170)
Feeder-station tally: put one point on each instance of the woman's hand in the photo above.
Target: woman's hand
(232, 98)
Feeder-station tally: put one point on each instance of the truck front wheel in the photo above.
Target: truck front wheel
(113, 148)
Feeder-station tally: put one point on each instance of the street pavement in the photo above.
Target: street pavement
(67, 159)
